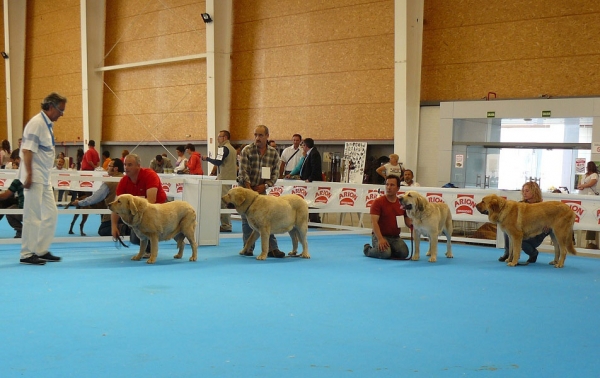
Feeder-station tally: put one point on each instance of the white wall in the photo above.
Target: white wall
(427, 170)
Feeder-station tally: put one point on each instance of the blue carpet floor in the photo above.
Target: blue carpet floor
(99, 314)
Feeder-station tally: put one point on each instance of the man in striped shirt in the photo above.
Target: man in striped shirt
(259, 170)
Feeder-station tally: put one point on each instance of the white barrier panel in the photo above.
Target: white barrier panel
(173, 183)
(205, 197)
(336, 197)
(322, 196)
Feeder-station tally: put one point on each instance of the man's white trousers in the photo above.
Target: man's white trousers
(40, 216)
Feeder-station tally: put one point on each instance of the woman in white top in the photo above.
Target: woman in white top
(588, 187)
(181, 162)
(391, 168)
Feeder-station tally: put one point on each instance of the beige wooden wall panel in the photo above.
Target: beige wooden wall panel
(558, 77)
(319, 122)
(324, 69)
(252, 10)
(456, 13)
(53, 62)
(165, 102)
(154, 32)
(3, 110)
(520, 50)
(321, 90)
(357, 54)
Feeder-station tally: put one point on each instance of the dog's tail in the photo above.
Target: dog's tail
(571, 246)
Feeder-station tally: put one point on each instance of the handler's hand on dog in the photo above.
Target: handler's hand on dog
(115, 233)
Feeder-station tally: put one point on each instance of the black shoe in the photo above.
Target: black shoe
(366, 249)
(276, 253)
(503, 258)
(223, 229)
(17, 236)
(33, 260)
(533, 258)
(49, 257)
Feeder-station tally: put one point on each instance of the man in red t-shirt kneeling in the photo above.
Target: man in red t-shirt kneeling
(385, 211)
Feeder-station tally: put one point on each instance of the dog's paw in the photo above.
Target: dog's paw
(178, 256)
(293, 253)
(151, 261)
(553, 262)
(510, 263)
(136, 258)
(262, 256)
(415, 258)
(449, 255)
(559, 266)
(193, 258)
(305, 256)
(432, 259)
(428, 253)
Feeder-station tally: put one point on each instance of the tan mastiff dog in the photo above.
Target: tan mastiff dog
(154, 222)
(271, 215)
(525, 220)
(428, 219)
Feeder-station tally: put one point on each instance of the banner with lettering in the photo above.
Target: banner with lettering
(344, 197)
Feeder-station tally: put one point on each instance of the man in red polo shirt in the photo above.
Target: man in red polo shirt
(141, 182)
(91, 159)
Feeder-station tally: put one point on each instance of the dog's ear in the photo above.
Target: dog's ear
(132, 206)
(494, 205)
(421, 203)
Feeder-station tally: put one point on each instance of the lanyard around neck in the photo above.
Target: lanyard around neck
(49, 127)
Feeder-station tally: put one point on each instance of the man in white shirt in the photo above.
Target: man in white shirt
(39, 208)
(408, 179)
(290, 156)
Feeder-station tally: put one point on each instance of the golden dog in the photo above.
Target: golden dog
(271, 215)
(428, 219)
(520, 220)
(155, 222)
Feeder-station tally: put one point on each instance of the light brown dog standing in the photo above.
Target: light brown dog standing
(155, 222)
(525, 220)
(428, 219)
(271, 215)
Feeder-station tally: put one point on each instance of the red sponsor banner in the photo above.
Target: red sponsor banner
(323, 195)
(301, 191)
(464, 204)
(86, 184)
(434, 197)
(371, 196)
(63, 183)
(179, 187)
(166, 186)
(576, 207)
(276, 191)
(348, 197)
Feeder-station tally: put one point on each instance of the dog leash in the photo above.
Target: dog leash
(120, 240)
(411, 246)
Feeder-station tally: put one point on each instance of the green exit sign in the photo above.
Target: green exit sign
(546, 113)
(491, 114)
